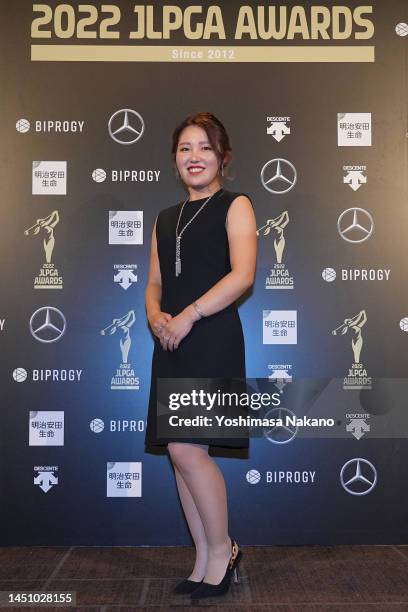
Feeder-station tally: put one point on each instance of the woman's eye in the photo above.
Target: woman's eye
(204, 147)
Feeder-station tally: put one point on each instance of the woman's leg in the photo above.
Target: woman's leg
(205, 482)
(196, 527)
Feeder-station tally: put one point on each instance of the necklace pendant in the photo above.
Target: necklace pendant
(178, 260)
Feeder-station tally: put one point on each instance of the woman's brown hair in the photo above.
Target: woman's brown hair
(216, 134)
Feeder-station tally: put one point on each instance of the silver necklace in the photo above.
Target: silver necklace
(178, 235)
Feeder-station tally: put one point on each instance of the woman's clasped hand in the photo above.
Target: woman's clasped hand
(171, 330)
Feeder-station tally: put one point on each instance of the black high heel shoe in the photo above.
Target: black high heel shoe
(186, 586)
(217, 590)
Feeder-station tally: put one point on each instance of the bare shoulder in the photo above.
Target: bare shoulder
(241, 201)
(240, 210)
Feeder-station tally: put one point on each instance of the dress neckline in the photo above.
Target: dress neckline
(205, 198)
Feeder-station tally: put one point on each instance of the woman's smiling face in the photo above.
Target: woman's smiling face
(196, 160)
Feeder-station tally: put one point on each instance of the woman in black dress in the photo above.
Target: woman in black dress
(203, 258)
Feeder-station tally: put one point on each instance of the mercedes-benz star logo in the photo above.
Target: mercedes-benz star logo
(284, 177)
(355, 225)
(357, 480)
(124, 130)
(280, 434)
(47, 324)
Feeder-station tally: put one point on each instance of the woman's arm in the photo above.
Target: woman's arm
(154, 287)
(241, 230)
(157, 319)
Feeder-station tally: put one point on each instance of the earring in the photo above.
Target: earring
(222, 169)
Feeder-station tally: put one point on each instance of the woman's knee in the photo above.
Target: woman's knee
(184, 454)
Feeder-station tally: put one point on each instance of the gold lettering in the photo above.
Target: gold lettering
(367, 23)
(336, 33)
(214, 15)
(272, 31)
(170, 24)
(298, 28)
(198, 32)
(320, 27)
(245, 23)
(150, 33)
(140, 15)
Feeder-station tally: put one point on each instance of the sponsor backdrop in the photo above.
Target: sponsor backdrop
(314, 98)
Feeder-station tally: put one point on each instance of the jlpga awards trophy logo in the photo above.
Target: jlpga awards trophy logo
(357, 377)
(48, 276)
(279, 277)
(124, 379)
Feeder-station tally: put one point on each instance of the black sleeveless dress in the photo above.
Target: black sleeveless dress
(214, 347)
